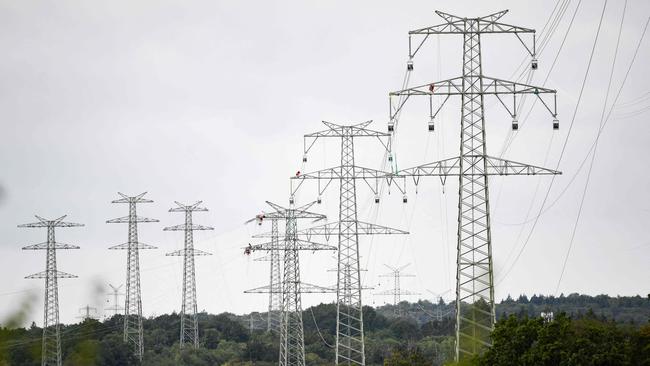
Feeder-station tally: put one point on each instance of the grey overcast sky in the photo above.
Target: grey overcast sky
(208, 100)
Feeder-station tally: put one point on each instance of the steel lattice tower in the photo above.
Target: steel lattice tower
(51, 347)
(349, 314)
(274, 288)
(292, 341)
(475, 309)
(397, 292)
(189, 321)
(133, 300)
(116, 308)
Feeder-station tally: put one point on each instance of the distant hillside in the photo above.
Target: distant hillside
(621, 309)
(229, 339)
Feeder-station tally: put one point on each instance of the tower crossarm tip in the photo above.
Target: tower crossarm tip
(44, 246)
(260, 290)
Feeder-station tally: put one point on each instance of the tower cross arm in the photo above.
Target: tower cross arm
(342, 172)
(362, 228)
(183, 252)
(260, 290)
(45, 274)
(132, 246)
(182, 227)
(44, 245)
(343, 131)
(51, 223)
(126, 220)
(309, 288)
(299, 245)
(394, 292)
(135, 199)
(473, 165)
(458, 25)
(358, 130)
(488, 86)
(183, 208)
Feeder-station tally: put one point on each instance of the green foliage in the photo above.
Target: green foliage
(565, 342)
(580, 337)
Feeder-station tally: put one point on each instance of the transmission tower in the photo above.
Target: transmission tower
(349, 308)
(87, 313)
(397, 292)
(51, 347)
(275, 285)
(133, 300)
(292, 341)
(475, 309)
(189, 321)
(116, 308)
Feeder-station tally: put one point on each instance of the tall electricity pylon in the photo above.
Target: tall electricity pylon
(475, 309)
(292, 338)
(116, 308)
(350, 347)
(396, 292)
(133, 300)
(51, 347)
(87, 310)
(274, 288)
(189, 321)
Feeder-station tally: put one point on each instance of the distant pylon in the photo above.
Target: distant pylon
(133, 300)
(350, 344)
(51, 347)
(397, 292)
(475, 307)
(292, 338)
(189, 321)
(115, 293)
(275, 278)
(87, 313)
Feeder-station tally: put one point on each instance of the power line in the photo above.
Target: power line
(566, 140)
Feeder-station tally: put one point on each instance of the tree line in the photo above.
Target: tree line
(586, 330)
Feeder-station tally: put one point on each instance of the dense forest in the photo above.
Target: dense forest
(585, 330)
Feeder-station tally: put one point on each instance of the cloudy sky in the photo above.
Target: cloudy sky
(208, 100)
